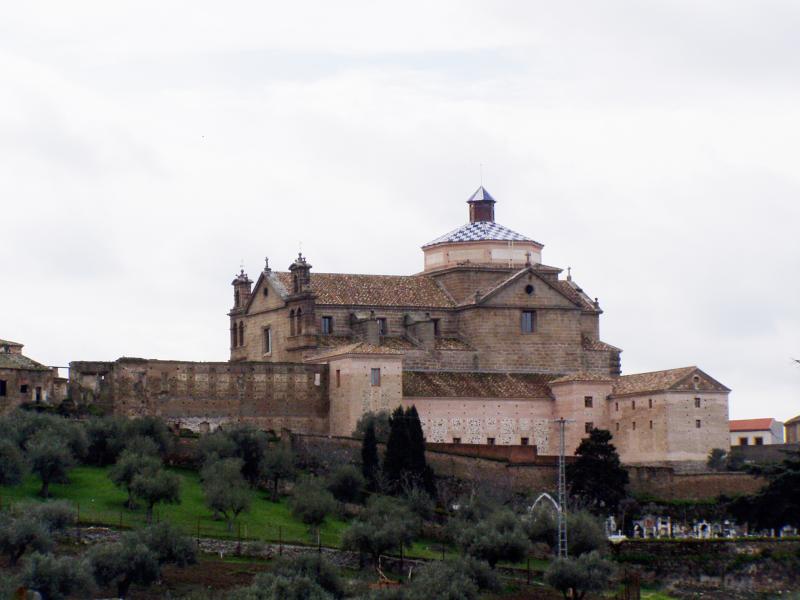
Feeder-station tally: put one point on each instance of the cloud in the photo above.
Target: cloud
(145, 149)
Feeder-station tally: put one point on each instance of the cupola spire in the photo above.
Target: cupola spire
(481, 206)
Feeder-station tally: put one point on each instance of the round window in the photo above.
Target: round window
(529, 289)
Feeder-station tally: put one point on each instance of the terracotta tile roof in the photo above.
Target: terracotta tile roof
(451, 343)
(9, 360)
(592, 344)
(655, 381)
(575, 295)
(397, 343)
(437, 384)
(334, 341)
(374, 290)
(751, 424)
(583, 376)
(354, 348)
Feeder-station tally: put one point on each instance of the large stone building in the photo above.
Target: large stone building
(488, 342)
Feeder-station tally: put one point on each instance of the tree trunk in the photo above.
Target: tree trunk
(275, 489)
(149, 514)
(45, 491)
(123, 586)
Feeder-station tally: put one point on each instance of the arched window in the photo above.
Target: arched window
(291, 322)
(236, 298)
(299, 321)
(233, 336)
(241, 333)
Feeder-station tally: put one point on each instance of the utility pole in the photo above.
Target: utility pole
(562, 489)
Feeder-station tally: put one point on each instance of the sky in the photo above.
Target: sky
(147, 149)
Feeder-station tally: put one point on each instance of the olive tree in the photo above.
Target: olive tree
(311, 502)
(498, 537)
(384, 525)
(155, 487)
(12, 463)
(56, 577)
(226, 491)
(51, 460)
(277, 464)
(575, 577)
(129, 465)
(32, 528)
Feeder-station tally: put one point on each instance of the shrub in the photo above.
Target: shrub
(499, 537)
(575, 577)
(56, 578)
(346, 483)
(12, 463)
(311, 502)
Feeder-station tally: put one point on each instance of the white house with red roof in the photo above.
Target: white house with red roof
(756, 432)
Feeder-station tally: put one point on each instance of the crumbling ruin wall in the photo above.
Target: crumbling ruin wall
(201, 396)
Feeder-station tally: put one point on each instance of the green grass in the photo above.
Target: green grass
(98, 501)
(656, 595)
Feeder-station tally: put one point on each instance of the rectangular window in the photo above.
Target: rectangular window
(338, 378)
(375, 377)
(23, 389)
(633, 404)
(38, 394)
(697, 402)
(697, 423)
(588, 426)
(634, 426)
(528, 321)
(382, 327)
(2, 387)
(759, 441)
(616, 427)
(524, 441)
(327, 325)
(490, 441)
(437, 330)
(268, 340)
(649, 403)
(616, 405)
(651, 424)
(456, 440)
(743, 441)
(588, 401)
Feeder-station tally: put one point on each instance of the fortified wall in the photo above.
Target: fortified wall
(203, 395)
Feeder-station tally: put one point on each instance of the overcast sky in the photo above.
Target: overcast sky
(146, 148)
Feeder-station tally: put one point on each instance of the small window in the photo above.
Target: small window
(528, 323)
(456, 440)
(616, 405)
(233, 336)
(524, 441)
(588, 401)
(649, 403)
(616, 428)
(38, 394)
(651, 424)
(759, 441)
(529, 289)
(267, 340)
(437, 330)
(291, 323)
(633, 404)
(697, 423)
(241, 333)
(338, 378)
(236, 298)
(23, 389)
(490, 441)
(375, 377)
(743, 441)
(299, 327)
(327, 325)
(697, 402)
(2, 387)
(634, 426)
(588, 426)
(382, 327)
(266, 291)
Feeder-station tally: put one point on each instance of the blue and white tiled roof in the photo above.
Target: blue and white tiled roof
(479, 231)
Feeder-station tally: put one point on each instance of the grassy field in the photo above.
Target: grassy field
(98, 501)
